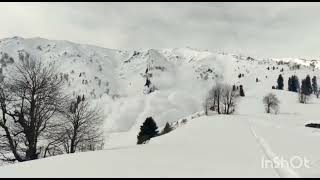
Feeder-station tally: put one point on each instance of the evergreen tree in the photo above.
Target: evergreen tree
(303, 92)
(303, 87)
(290, 84)
(308, 86)
(78, 99)
(234, 88)
(167, 129)
(280, 82)
(241, 91)
(306, 89)
(314, 84)
(148, 130)
(295, 83)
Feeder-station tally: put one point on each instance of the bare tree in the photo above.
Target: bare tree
(271, 102)
(212, 100)
(82, 130)
(229, 97)
(29, 98)
(206, 105)
(221, 98)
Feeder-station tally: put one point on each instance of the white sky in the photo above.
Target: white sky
(257, 29)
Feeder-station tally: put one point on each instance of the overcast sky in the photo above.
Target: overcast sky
(257, 29)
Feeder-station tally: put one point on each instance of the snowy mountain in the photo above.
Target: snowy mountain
(206, 146)
(115, 79)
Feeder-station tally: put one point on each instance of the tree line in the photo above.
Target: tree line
(307, 87)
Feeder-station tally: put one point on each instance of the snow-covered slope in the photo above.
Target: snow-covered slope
(214, 146)
(186, 152)
(89, 70)
(115, 79)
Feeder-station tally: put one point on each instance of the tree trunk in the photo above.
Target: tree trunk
(31, 153)
(31, 134)
(206, 109)
(228, 108)
(73, 141)
(214, 104)
(218, 104)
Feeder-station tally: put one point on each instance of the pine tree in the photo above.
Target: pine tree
(167, 129)
(241, 91)
(303, 92)
(314, 84)
(234, 88)
(290, 84)
(303, 87)
(280, 82)
(295, 83)
(306, 89)
(78, 99)
(308, 86)
(148, 130)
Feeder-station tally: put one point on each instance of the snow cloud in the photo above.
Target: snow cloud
(257, 29)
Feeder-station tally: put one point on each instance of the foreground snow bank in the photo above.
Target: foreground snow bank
(216, 146)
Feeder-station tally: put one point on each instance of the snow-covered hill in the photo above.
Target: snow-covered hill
(115, 79)
(214, 146)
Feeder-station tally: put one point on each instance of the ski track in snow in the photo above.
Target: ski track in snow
(285, 172)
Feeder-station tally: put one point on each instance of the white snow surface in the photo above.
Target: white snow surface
(206, 146)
